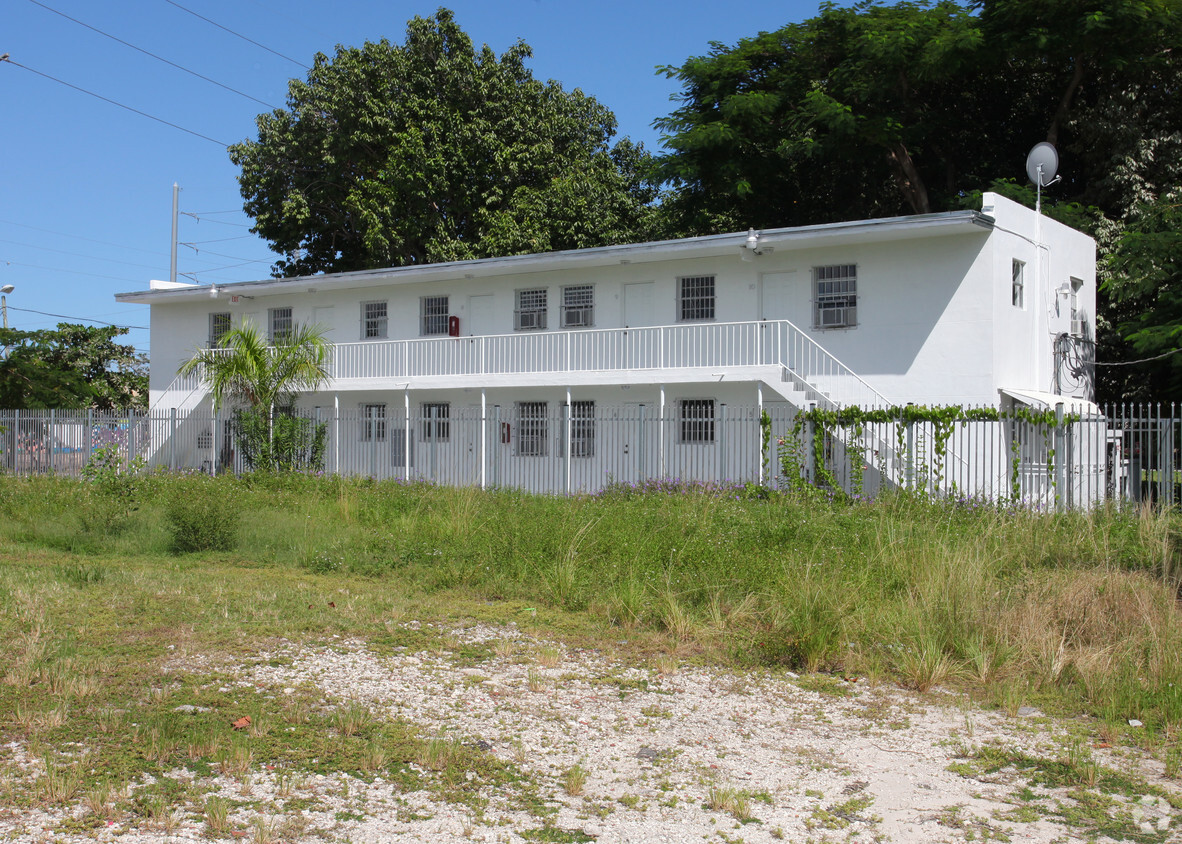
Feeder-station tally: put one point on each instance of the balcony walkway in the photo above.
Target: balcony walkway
(774, 351)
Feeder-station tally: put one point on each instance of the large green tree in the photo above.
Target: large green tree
(874, 110)
(72, 366)
(433, 150)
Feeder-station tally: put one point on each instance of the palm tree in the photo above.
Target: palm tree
(247, 368)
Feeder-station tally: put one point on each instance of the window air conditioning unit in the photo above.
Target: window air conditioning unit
(575, 318)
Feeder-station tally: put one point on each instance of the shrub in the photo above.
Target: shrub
(203, 515)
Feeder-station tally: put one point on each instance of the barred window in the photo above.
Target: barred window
(433, 315)
(695, 297)
(1018, 283)
(697, 420)
(219, 324)
(578, 306)
(373, 423)
(582, 429)
(532, 429)
(281, 323)
(436, 421)
(531, 310)
(835, 296)
(374, 320)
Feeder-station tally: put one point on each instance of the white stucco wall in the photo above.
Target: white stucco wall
(935, 321)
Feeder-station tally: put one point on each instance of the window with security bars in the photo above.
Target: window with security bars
(373, 423)
(374, 320)
(532, 429)
(835, 296)
(696, 419)
(280, 322)
(578, 306)
(582, 429)
(432, 315)
(695, 298)
(1078, 324)
(436, 421)
(1018, 283)
(219, 324)
(530, 314)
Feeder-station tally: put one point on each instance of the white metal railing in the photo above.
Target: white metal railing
(811, 368)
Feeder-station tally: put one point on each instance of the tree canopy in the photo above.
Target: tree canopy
(72, 366)
(433, 150)
(875, 110)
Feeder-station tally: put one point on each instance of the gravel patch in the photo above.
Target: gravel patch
(682, 755)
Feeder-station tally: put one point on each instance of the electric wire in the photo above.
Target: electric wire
(1142, 360)
(82, 318)
(78, 254)
(218, 222)
(80, 237)
(237, 34)
(153, 55)
(230, 257)
(7, 60)
(218, 239)
(69, 272)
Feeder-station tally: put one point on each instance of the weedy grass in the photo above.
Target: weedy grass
(1073, 612)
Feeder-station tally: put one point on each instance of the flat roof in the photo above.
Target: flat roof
(918, 225)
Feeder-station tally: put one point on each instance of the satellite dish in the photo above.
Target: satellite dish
(1042, 163)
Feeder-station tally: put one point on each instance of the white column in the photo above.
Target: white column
(661, 435)
(336, 433)
(483, 440)
(759, 446)
(406, 436)
(569, 425)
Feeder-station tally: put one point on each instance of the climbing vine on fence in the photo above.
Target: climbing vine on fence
(850, 425)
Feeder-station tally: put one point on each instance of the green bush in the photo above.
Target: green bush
(203, 515)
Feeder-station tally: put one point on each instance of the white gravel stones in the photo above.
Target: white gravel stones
(658, 750)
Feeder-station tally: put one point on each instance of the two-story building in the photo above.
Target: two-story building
(488, 363)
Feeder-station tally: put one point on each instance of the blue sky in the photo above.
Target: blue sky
(86, 186)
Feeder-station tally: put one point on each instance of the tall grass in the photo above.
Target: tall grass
(1078, 607)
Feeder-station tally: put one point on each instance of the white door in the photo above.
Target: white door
(777, 295)
(638, 304)
(323, 318)
(481, 319)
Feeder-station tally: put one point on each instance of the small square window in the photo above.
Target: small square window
(1018, 284)
(532, 429)
(531, 310)
(219, 324)
(835, 296)
(436, 421)
(578, 306)
(695, 298)
(697, 420)
(433, 315)
(281, 323)
(373, 423)
(374, 320)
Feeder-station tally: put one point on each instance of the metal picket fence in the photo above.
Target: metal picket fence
(1127, 453)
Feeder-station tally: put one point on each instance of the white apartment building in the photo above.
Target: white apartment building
(985, 307)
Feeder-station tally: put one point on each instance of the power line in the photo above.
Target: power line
(231, 257)
(153, 55)
(1134, 362)
(6, 59)
(79, 254)
(69, 272)
(239, 35)
(157, 253)
(218, 222)
(219, 239)
(84, 319)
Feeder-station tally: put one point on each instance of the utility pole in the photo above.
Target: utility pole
(176, 194)
(4, 291)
